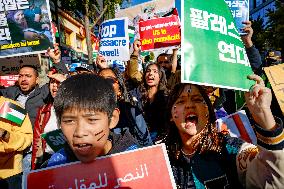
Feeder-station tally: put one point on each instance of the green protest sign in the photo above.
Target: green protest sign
(213, 50)
(55, 139)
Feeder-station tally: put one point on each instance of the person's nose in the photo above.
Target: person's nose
(189, 104)
(81, 130)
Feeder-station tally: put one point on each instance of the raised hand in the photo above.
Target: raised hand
(258, 101)
(136, 47)
(57, 77)
(247, 38)
(54, 54)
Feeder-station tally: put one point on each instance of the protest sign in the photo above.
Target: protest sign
(238, 125)
(25, 27)
(142, 168)
(213, 52)
(11, 65)
(8, 80)
(159, 33)
(55, 139)
(114, 39)
(240, 12)
(276, 79)
(145, 11)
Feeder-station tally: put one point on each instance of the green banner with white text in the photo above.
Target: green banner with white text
(213, 51)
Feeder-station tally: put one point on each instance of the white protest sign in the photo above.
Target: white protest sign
(114, 40)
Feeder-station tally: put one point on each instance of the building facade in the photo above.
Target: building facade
(259, 9)
(72, 37)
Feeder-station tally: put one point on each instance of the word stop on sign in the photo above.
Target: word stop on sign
(108, 31)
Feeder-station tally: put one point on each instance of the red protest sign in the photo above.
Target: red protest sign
(8, 80)
(143, 168)
(160, 33)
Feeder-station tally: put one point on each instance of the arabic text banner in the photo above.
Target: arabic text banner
(159, 33)
(212, 51)
(143, 168)
(25, 27)
(276, 79)
(114, 40)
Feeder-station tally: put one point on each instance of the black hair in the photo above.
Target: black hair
(165, 54)
(85, 91)
(162, 77)
(121, 82)
(30, 66)
(143, 87)
(211, 140)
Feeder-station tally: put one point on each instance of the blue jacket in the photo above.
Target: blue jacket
(120, 143)
(255, 60)
(131, 119)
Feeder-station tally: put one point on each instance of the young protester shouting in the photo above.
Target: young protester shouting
(202, 158)
(151, 99)
(86, 109)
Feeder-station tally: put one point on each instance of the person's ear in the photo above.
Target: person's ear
(37, 80)
(114, 118)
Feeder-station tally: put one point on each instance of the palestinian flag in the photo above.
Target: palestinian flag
(131, 31)
(13, 112)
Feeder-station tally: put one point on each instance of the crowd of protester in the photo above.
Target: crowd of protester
(103, 111)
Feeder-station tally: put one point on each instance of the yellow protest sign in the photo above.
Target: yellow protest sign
(276, 79)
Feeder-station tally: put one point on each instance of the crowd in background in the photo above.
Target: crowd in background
(102, 111)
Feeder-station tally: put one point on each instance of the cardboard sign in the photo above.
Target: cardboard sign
(213, 53)
(159, 33)
(275, 76)
(240, 12)
(25, 27)
(238, 125)
(55, 139)
(142, 168)
(11, 65)
(114, 40)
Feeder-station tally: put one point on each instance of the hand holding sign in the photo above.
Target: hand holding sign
(55, 55)
(136, 47)
(249, 31)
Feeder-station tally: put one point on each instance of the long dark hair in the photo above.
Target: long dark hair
(143, 88)
(210, 140)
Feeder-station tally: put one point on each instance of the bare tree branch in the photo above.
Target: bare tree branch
(100, 16)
